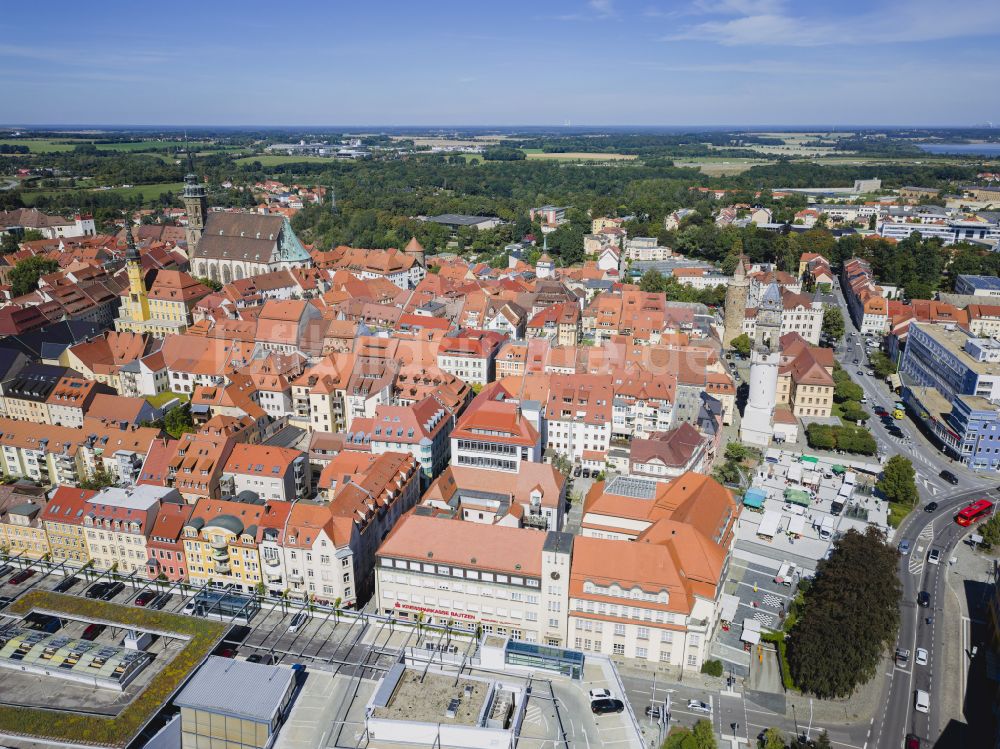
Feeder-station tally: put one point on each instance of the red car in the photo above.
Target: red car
(20, 577)
(912, 742)
(145, 597)
(92, 631)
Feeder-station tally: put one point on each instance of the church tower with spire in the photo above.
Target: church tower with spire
(138, 297)
(196, 207)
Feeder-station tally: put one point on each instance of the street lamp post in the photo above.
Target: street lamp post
(795, 719)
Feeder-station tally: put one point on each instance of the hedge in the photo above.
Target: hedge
(778, 638)
(121, 729)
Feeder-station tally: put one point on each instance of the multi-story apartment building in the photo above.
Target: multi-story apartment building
(648, 568)
(559, 322)
(22, 532)
(494, 432)
(55, 456)
(70, 400)
(578, 417)
(471, 355)
(220, 544)
(422, 430)
(372, 494)
(118, 522)
(505, 581)
(984, 320)
(534, 497)
(805, 377)
(63, 522)
(273, 473)
(25, 395)
(165, 546)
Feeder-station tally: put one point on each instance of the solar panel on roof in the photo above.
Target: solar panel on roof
(629, 486)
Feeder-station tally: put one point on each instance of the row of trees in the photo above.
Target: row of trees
(655, 282)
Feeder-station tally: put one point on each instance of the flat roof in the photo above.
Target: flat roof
(954, 340)
(66, 657)
(455, 218)
(433, 697)
(237, 688)
(982, 282)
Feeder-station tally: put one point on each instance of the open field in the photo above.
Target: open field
(38, 145)
(718, 167)
(535, 153)
(148, 192)
(278, 159)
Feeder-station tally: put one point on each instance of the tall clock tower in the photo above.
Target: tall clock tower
(138, 296)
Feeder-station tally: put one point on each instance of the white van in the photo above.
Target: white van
(922, 701)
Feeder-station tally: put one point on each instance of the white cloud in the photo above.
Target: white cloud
(603, 8)
(762, 22)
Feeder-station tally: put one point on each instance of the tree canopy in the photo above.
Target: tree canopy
(742, 344)
(833, 322)
(25, 273)
(699, 736)
(898, 481)
(849, 616)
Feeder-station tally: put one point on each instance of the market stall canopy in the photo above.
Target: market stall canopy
(797, 497)
(755, 498)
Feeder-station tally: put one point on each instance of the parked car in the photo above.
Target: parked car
(904, 547)
(66, 584)
(20, 577)
(5, 601)
(576, 472)
(6, 569)
(92, 631)
(266, 658)
(923, 599)
(145, 597)
(950, 477)
(604, 707)
(599, 694)
(931, 507)
(112, 590)
(699, 707)
(225, 651)
(934, 556)
(97, 590)
(912, 741)
(921, 656)
(902, 657)
(297, 621)
(43, 622)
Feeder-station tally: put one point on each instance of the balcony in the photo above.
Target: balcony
(220, 544)
(539, 522)
(220, 555)
(222, 568)
(295, 578)
(271, 562)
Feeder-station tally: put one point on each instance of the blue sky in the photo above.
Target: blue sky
(589, 62)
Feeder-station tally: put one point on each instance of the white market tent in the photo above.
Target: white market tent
(769, 524)
(751, 631)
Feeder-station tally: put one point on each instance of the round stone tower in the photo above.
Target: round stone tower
(736, 303)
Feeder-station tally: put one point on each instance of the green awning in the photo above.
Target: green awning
(809, 459)
(797, 497)
(839, 470)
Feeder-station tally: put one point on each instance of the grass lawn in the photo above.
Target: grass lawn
(274, 159)
(40, 145)
(202, 637)
(158, 400)
(898, 512)
(140, 145)
(148, 192)
(715, 166)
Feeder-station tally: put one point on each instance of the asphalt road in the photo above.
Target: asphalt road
(919, 627)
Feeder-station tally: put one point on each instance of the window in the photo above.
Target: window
(618, 648)
(692, 659)
(643, 633)
(666, 636)
(641, 653)
(620, 630)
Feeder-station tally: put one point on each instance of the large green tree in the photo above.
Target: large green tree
(25, 274)
(833, 322)
(898, 481)
(742, 344)
(849, 616)
(178, 420)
